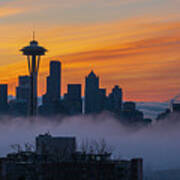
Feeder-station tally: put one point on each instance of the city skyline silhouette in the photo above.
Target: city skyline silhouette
(136, 48)
(89, 89)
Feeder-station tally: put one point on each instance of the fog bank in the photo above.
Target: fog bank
(157, 144)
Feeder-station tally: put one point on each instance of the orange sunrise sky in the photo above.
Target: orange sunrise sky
(132, 43)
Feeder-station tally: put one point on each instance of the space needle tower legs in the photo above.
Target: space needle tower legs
(33, 52)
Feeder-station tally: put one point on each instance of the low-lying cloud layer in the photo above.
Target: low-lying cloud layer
(158, 144)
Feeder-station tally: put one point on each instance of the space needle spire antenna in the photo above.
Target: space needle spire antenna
(33, 35)
(33, 52)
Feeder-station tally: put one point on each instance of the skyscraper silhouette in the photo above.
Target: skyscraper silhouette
(23, 90)
(115, 100)
(74, 91)
(102, 100)
(72, 100)
(20, 105)
(53, 90)
(3, 93)
(91, 93)
(3, 98)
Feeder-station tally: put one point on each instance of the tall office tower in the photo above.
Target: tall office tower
(3, 97)
(3, 94)
(102, 100)
(115, 100)
(73, 100)
(91, 93)
(55, 80)
(53, 92)
(23, 89)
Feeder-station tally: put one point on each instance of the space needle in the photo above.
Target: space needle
(33, 52)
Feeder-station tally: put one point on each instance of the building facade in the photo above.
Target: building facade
(23, 89)
(53, 85)
(73, 100)
(94, 96)
(3, 98)
(115, 100)
(55, 147)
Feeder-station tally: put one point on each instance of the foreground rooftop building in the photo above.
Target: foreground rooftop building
(53, 164)
(55, 147)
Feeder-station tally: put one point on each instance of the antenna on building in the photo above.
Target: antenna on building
(34, 31)
(33, 35)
